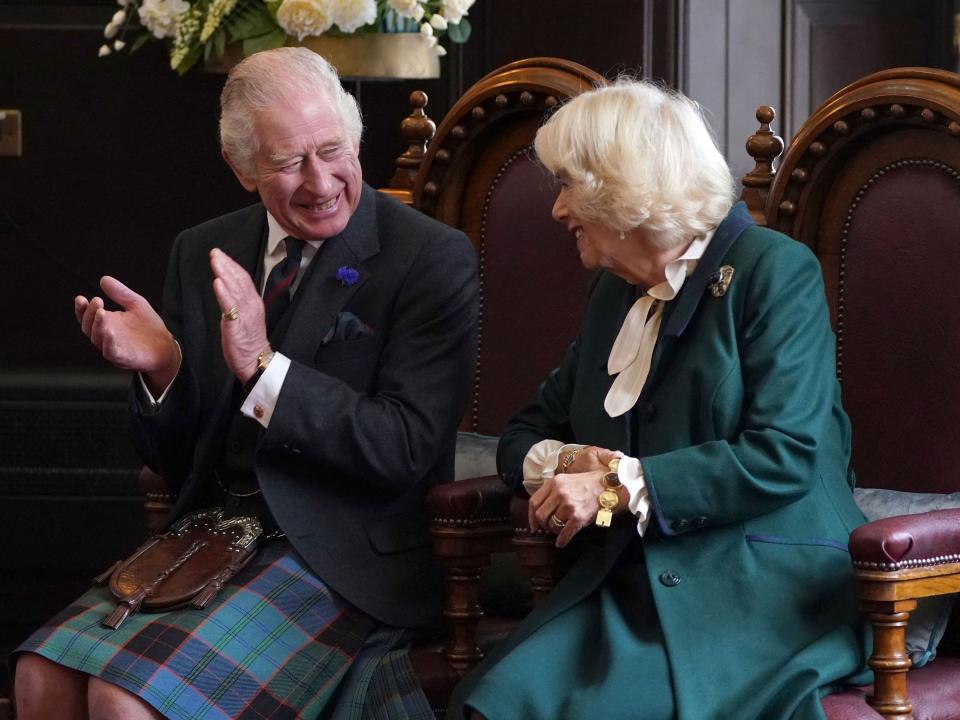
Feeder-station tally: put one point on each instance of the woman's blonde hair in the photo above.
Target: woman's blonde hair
(635, 155)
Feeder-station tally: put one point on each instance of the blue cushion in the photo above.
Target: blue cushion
(476, 455)
(929, 621)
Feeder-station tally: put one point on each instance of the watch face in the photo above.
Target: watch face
(611, 480)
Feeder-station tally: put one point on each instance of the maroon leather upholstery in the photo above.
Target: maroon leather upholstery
(533, 291)
(901, 325)
(850, 705)
(473, 500)
(934, 692)
(907, 541)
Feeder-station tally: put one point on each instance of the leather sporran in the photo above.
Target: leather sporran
(187, 565)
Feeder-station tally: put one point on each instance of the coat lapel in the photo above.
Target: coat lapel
(321, 295)
(679, 313)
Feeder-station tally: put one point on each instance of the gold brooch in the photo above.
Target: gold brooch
(720, 281)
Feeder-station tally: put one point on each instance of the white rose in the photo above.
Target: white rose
(439, 22)
(454, 10)
(103, 51)
(304, 17)
(124, 3)
(119, 45)
(161, 17)
(407, 8)
(348, 15)
(110, 30)
(118, 17)
(441, 50)
(427, 31)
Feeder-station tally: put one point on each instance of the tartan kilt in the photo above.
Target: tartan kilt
(275, 643)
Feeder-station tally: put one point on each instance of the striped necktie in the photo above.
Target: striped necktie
(276, 293)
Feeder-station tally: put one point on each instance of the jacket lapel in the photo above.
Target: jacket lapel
(321, 296)
(679, 313)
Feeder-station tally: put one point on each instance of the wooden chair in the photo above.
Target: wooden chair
(871, 183)
(478, 173)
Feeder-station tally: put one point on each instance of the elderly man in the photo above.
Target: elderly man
(309, 367)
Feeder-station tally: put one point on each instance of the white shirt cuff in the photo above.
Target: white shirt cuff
(143, 383)
(630, 473)
(541, 462)
(262, 400)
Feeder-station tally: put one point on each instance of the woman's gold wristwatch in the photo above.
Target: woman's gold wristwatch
(609, 498)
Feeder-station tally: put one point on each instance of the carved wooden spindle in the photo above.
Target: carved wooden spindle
(465, 551)
(462, 611)
(889, 660)
(542, 562)
(764, 147)
(418, 129)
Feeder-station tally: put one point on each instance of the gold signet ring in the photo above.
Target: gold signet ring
(232, 314)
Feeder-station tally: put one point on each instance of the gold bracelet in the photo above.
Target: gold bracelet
(608, 501)
(609, 498)
(611, 480)
(568, 459)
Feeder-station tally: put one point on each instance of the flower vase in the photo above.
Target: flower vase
(378, 55)
(372, 55)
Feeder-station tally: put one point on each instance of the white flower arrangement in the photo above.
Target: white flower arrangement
(202, 29)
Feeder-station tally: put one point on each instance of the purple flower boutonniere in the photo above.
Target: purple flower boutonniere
(347, 275)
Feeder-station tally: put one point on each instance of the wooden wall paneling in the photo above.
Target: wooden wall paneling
(119, 154)
(830, 43)
(732, 65)
(739, 54)
(605, 35)
(69, 501)
(663, 41)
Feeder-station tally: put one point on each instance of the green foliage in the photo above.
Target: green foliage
(250, 20)
(460, 32)
(274, 39)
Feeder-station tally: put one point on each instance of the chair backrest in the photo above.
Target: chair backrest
(871, 183)
(479, 174)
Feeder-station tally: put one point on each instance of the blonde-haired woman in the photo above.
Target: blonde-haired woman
(692, 444)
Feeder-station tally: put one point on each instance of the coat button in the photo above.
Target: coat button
(680, 525)
(669, 578)
(700, 522)
(235, 446)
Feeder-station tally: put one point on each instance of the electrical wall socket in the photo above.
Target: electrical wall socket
(11, 143)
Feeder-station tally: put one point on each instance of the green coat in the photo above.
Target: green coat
(745, 450)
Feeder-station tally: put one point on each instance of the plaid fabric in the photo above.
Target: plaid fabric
(276, 643)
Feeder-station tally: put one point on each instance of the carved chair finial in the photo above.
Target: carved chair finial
(764, 147)
(417, 129)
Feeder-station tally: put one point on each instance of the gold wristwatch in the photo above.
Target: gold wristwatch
(263, 360)
(609, 498)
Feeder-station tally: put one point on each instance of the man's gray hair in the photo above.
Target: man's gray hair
(267, 78)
